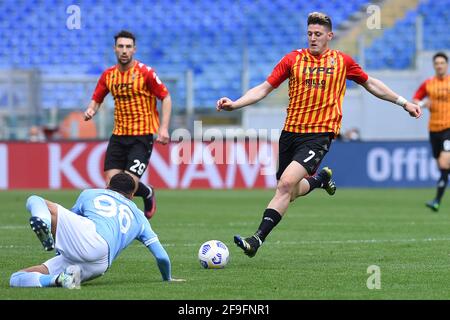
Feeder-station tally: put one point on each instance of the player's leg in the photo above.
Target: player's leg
(299, 156)
(39, 276)
(147, 193)
(43, 220)
(138, 159)
(440, 143)
(444, 168)
(271, 217)
(290, 179)
(111, 173)
(36, 276)
(115, 156)
(309, 152)
(321, 180)
(80, 244)
(276, 208)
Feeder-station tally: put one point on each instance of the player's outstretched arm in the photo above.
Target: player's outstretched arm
(252, 96)
(163, 261)
(382, 91)
(91, 110)
(163, 132)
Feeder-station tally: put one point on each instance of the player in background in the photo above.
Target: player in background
(135, 88)
(101, 224)
(317, 85)
(437, 89)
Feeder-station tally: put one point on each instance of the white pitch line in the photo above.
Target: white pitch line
(312, 242)
(308, 242)
(13, 246)
(13, 227)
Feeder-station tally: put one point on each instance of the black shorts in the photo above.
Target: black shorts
(130, 153)
(308, 149)
(440, 141)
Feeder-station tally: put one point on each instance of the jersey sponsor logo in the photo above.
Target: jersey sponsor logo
(315, 83)
(318, 70)
(120, 86)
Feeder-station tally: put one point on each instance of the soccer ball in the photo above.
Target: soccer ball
(213, 254)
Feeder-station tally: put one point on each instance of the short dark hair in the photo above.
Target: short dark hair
(320, 18)
(122, 183)
(124, 34)
(440, 54)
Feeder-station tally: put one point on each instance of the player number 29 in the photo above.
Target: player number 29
(107, 207)
(137, 167)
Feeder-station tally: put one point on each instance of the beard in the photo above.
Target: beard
(124, 62)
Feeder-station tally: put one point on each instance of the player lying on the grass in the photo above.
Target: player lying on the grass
(317, 85)
(101, 224)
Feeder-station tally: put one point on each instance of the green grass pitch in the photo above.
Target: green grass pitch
(321, 249)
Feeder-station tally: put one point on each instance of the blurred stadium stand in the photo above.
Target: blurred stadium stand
(173, 35)
(396, 48)
(218, 40)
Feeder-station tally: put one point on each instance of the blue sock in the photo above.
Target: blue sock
(47, 280)
(38, 208)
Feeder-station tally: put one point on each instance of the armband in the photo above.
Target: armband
(401, 101)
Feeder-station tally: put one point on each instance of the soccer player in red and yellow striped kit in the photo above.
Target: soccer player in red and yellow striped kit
(135, 88)
(437, 89)
(317, 85)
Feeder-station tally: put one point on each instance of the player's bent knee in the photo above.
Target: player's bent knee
(32, 200)
(285, 187)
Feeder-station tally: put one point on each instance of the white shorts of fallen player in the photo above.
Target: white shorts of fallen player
(78, 243)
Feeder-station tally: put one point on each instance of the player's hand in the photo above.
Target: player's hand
(413, 109)
(163, 136)
(224, 104)
(88, 114)
(427, 104)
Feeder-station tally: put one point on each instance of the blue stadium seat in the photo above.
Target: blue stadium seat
(436, 18)
(205, 36)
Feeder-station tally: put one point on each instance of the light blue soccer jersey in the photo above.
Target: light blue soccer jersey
(117, 219)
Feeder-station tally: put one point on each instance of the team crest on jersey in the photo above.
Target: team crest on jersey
(133, 76)
(305, 58)
(332, 61)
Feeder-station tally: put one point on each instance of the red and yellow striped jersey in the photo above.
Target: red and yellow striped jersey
(135, 92)
(316, 88)
(438, 91)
